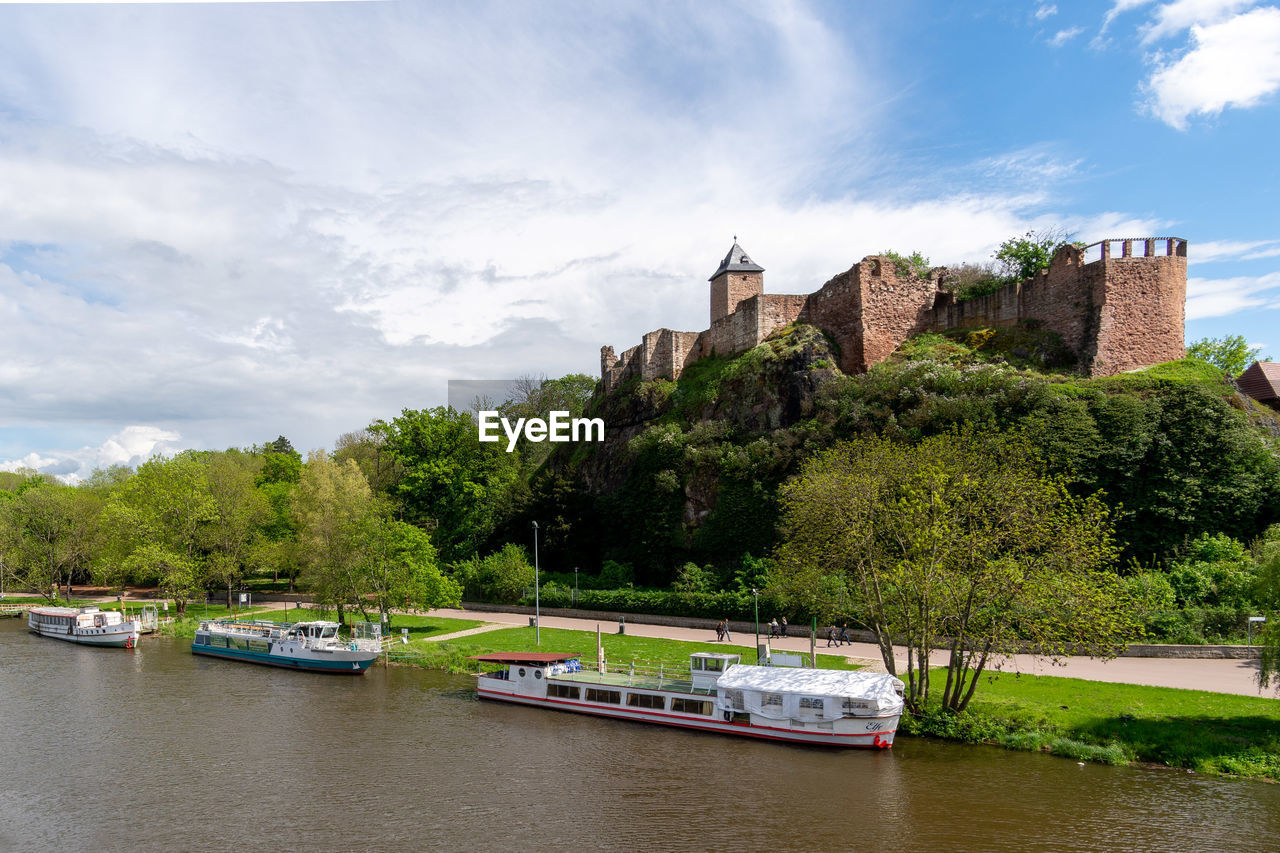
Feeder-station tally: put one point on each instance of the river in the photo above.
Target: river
(158, 750)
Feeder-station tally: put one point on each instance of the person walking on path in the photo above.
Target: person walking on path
(844, 634)
(725, 623)
(783, 628)
(773, 628)
(720, 632)
(833, 639)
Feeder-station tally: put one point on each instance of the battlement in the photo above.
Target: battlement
(1115, 310)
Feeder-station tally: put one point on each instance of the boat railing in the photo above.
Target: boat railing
(651, 675)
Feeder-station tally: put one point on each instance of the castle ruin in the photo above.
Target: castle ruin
(1113, 311)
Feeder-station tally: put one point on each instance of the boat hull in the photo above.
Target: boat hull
(126, 638)
(334, 663)
(879, 736)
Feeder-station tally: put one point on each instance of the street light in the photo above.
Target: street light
(1249, 627)
(537, 609)
(575, 586)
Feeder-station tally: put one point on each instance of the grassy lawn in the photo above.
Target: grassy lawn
(420, 627)
(645, 651)
(1119, 723)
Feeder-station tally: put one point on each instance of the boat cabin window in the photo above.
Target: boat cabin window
(329, 631)
(611, 697)
(812, 703)
(735, 698)
(767, 699)
(645, 700)
(851, 705)
(691, 706)
(563, 691)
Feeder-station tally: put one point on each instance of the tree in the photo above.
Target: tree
(239, 512)
(333, 505)
(1266, 554)
(959, 542)
(1022, 257)
(155, 524)
(452, 483)
(1231, 353)
(398, 569)
(48, 534)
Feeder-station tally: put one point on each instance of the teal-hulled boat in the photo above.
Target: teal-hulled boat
(312, 646)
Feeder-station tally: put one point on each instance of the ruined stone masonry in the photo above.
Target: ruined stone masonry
(1114, 311)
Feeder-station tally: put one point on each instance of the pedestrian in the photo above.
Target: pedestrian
(833, 638)
(783, 629)
(773, 628)
(725, 623)
(844, 634)
(720, 632)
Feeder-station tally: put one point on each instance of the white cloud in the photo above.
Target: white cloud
(234, 223)
(1046, 10)
(1119, 8)
(130, 447)
(1232, 64)
(1230, 250)
(1170, 19)
(1063, 36)
(1221, 297)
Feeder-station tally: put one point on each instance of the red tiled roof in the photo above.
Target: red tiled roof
(1261, 381)
(525, 657)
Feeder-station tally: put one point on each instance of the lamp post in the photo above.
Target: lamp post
(755, 593)
(537, 608)
(575, 586)
(1249, 627)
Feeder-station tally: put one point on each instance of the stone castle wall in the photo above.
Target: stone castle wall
(1117, 312)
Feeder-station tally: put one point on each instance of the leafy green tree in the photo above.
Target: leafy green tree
(502, 576)
(48, 534)
(1022, 257)
(959, 542)
(240, 510)
(1231, 353)
(399, 570)
(155, 524)
(334, 507)
(452, 483)
(1266, 554)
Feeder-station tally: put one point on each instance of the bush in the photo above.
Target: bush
(502, 576)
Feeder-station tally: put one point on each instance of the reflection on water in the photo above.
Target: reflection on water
(160, 750)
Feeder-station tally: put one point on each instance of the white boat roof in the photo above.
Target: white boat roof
(876, 687)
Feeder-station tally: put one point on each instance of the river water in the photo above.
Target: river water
(155, 749)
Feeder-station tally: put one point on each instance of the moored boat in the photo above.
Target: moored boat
(717, 694)
(313, 646)
(86, 625)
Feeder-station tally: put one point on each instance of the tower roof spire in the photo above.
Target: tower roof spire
(736, 261)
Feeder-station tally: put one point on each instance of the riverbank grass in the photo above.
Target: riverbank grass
(672, 655)
(1195, 730)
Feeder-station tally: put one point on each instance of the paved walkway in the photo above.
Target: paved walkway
(1219, 676)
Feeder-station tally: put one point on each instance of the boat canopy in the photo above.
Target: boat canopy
(527, 658)
(880, 690)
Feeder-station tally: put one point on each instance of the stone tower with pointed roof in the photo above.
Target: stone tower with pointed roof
(737, 278)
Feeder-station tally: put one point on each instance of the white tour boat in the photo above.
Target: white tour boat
(313, 646)
(717, 694)
(87, 625)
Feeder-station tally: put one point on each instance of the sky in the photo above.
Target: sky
(223, 222)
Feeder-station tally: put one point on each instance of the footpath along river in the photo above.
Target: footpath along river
(157, 750)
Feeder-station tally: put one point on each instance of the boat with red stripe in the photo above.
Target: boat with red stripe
(717, 693)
